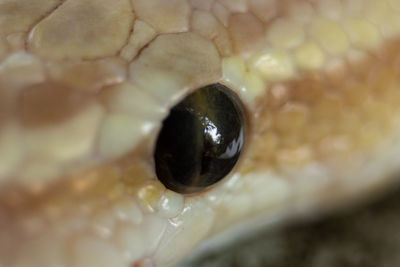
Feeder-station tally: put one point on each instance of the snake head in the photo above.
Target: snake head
(86, 88)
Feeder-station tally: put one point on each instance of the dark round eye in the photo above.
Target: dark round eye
(201, 140)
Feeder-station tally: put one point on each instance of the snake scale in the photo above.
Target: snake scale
(86, 84)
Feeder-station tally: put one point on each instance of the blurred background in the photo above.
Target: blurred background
(365, 236)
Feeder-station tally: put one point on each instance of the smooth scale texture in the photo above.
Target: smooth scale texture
(86, 84)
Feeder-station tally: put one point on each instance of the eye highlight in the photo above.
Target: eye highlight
(201, 140)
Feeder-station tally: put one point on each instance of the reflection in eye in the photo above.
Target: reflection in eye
(201, 140)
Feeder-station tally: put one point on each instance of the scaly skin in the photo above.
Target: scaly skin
(85, 85)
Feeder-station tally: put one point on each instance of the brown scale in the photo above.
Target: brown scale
(352, 107)
(19, 15)
(264, 10)
(4, 110)
(50, 103)
(87, 29)
(70, 89)
(267, 11)
(246, 32)
(209, 27)
(89, 76)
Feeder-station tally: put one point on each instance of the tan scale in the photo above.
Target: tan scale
(85, 86)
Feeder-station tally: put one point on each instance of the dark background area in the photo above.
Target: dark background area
(365, 236)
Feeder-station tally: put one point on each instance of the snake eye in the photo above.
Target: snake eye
(201, 139)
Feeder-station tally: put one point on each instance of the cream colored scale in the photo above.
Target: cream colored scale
(85, 85)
